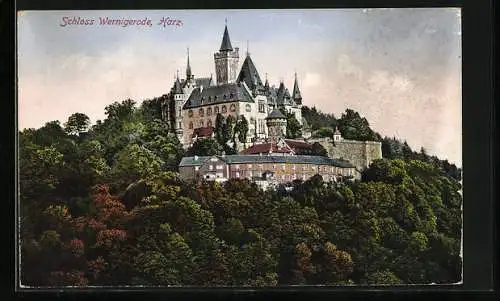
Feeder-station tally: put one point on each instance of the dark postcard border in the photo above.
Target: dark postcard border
(477, 130)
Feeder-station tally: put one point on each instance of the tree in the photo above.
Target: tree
(220, 134)
(242, 129)
(77, 123)
(204, 147)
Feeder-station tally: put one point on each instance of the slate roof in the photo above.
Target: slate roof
(283, 96)
(297, 97)
(250, 75)
(275, 114)
(177, 88)
(226, 42)
(242, 159)
(217, 94)
(204, 81)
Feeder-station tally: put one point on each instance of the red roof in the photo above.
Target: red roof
(297, 144)
(203, 132)
(265, 148)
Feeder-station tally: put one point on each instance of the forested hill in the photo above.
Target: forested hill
(353, 126)
(102, 205)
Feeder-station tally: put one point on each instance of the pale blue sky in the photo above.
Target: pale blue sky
(401, 68)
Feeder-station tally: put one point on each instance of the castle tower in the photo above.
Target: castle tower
(189, 75)
(297, 97)
(276, 125)
(337, 136)
(178, 101)
(226, 61)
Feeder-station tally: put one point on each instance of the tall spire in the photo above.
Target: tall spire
(297, 97)
(248, 52)
(226, 42)
(188, 67)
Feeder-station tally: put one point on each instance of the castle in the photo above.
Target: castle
(193, 103)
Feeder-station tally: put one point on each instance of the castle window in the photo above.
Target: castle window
(190, 113)
(262, 107)
(190, 125)
(201, 123)
(209, 123)
(232, 107)
(216, 110)
(248, 108)
(202, 100)
(209, 111)
(201, 112)
(224, 109)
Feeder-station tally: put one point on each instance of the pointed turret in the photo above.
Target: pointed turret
(177, 89)
(297, 97)
(249, 74)
(188, 67)
(226, 42)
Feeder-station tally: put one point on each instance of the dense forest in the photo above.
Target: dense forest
(103, 204)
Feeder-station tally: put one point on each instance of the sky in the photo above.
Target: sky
(399, 68)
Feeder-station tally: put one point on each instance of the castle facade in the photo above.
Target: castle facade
(238, 91)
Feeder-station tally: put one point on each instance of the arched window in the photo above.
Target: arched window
(216, 110)
(201, 123)
(190, 125)
(232, 107)
(209, 123)
(248, 108)
(202, 113)
(202, 99)
(224, 109)
(190, 113)
(209, 111)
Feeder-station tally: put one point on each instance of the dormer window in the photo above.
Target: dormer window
(224, 96)
(232, 107)
(224, 109)
(215, 98)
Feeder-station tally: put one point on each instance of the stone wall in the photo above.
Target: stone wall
(359, 153)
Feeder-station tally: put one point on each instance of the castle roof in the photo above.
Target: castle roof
(204, 81)
(249, 74)
(226, 42)
(275, 114)
(203, 132)
(243, 159)
(177, 88)
(266, 148)
(283, 96)
(297, 97)
(217, 94)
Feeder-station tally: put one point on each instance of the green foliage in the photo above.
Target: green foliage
(77, 123)
(400, 224)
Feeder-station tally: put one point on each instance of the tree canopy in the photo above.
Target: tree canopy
(108, 208)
